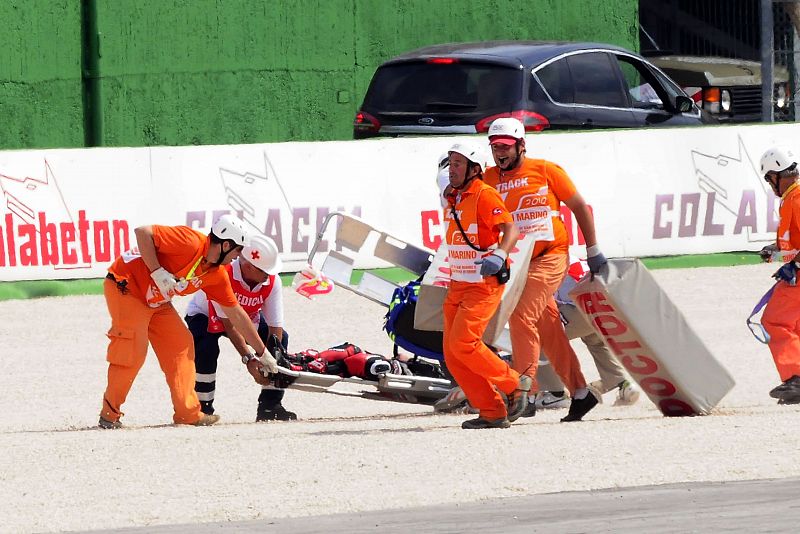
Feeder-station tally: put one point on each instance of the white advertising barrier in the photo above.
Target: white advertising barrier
(433, 289)
(652, 339)
(66, 213)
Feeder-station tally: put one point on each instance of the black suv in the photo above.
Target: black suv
(463, 87)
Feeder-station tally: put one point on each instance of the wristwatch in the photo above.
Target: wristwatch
(247, 357)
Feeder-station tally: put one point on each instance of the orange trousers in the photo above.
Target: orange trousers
(781, 320)
(535, 324)
(467, 310)
(133, 325)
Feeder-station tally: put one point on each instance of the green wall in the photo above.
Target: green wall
(240, 71)
(40, 74)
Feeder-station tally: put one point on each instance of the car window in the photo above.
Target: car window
(426, 87)
(670, 88)
(640, 84)
(556, 80)
(595, 80)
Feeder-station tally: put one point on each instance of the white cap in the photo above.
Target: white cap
(506, 130)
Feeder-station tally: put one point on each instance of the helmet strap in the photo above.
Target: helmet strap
(467, 179)
(222, 253)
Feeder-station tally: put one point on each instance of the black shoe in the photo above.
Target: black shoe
(580, 407)
(518, 399)
(207, 407)
(108, 425)
(788, 391)
(277, 413)
(481, 423)
(530, 410)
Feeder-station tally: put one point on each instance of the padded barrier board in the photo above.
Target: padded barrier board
(652, 339)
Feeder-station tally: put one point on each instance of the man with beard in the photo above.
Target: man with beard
(533, 190)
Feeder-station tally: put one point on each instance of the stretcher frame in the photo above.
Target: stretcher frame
(418, 386)
(354, 237)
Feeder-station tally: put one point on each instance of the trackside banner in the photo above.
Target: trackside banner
(68, 213)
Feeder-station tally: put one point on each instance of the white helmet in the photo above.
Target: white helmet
(442, 181)
(506, 128)
(262, 252)
(777, 159)
(470, 152)
(230, 227)
(444, 160)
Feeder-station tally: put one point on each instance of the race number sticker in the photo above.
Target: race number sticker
(533, 216)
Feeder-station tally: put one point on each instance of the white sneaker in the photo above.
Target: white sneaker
(454, 402)
(548, 400)
(628, 394)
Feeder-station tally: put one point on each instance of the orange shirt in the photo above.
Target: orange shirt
(789, 224)
(179, 250)
(533, 193)
(480, 211)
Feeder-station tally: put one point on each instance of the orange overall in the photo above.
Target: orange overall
(472, 301)
(141, 316)
(781, 317)
(533, 193)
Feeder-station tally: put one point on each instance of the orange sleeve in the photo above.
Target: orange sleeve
(789, 224)
(217, 286)
(492, 212)
(559, 181)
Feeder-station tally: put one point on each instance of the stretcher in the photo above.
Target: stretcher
(420, 387)
(354, 239)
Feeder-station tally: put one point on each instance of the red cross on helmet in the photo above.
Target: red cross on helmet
(263, 253)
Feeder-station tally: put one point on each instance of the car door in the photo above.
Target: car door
(600, 101)
(551, 94)
(652, 94)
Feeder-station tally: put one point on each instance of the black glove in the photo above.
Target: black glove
(282, 381)
(595, 259)
(278, 351)
(787, 273)
(492, 263)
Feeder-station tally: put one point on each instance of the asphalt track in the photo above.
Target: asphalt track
(748, 506)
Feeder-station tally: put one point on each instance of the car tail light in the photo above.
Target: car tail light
(533, 122)
(364, 123)
(442, 60)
